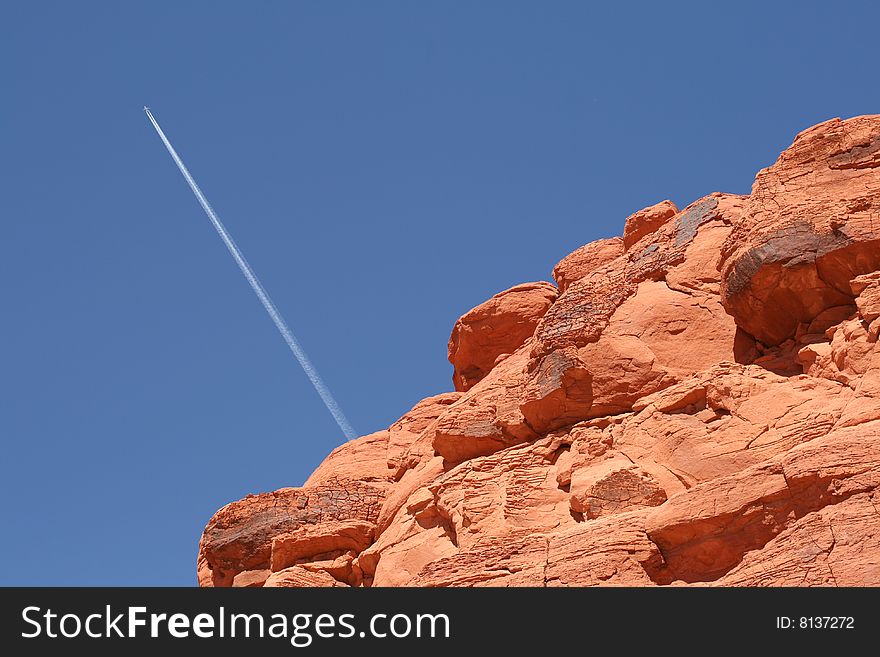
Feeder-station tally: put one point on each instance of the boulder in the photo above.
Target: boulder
(646, 221)
(495, 329)
(808, 230)
(586, 259)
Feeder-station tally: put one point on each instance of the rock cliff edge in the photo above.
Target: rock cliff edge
(696, 402)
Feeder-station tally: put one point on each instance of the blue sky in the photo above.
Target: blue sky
(385, 166)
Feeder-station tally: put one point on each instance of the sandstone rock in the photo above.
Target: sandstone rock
(586, 259)
(251, 578)
(633, 333)
(327, 540)
(239, 537)
(408, 445)
(867, 291)
(204, 574)
(299, 577)
(417, 534)
(343, 568)
(655, 338)
(560, 391)
(706, 530)
(613, 486)
(728, 418)
(579, 315)
(646, 221)
(700, 405)
(612, 551)
(364, 459)
(838, 545)
(488, 417)
(512, 560)
(850, 355)
(411, 481)
(808, 230)
(699, 268)
(512, 489)
(496, 327)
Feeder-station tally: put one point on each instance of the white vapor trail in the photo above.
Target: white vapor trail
(260, 291)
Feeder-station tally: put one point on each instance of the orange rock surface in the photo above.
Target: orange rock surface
(495, 329)
(697, 403)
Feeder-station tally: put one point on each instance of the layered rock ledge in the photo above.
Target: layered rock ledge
(696, 402)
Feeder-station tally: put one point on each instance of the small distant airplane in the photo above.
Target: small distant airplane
(146, 109)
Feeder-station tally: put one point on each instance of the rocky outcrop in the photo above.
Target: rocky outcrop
(808, 230)
(646, 221)
(698, 403)
(492, 331)
(589, 257)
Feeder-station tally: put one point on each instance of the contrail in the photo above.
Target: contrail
(260, 291)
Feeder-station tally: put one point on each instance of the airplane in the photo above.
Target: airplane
(146, 109)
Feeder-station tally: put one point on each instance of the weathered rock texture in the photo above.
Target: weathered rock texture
(495, 329)
(698, 402)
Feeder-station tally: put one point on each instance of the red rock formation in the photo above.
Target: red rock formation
(646, 221)
(492, 331)
(578, 264)
(808, 230)
(698, 404)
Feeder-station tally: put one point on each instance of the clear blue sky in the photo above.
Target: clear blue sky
(385, 166)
